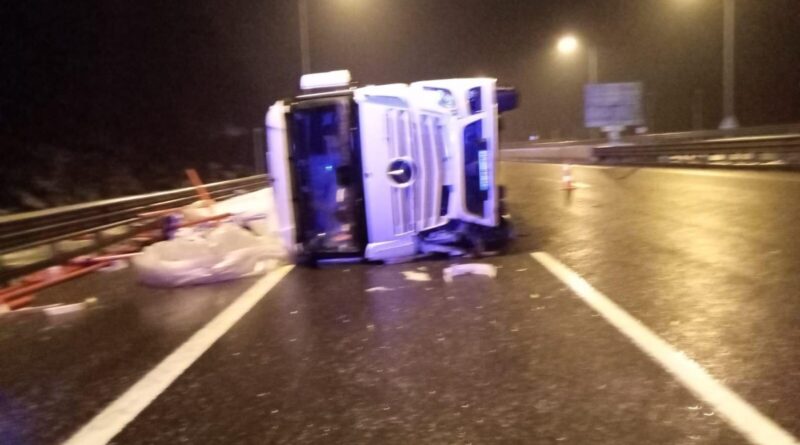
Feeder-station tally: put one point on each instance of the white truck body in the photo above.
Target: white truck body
(408, 166)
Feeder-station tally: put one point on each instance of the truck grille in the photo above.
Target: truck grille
(418, 206)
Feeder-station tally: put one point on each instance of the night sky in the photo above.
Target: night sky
(174, 78)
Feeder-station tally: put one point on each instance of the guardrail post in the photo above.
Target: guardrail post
(99, 222)
(97, 239)
(259, 151)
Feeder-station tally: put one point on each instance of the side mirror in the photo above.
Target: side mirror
(507, 99)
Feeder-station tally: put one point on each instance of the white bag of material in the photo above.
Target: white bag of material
(254, 210)
(197, 211)
(224, 253)
(259, 202)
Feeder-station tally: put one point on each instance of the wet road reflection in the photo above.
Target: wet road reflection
(364, 354)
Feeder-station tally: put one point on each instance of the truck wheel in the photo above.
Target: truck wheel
(477, 245)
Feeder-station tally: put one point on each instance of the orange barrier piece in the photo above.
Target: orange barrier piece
(19, 302)
(32, 288)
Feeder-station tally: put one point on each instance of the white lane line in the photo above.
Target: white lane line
(109, 422)
(739, 414)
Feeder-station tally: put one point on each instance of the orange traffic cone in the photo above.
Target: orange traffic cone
(566, 177)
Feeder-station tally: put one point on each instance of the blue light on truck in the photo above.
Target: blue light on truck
(483, 170)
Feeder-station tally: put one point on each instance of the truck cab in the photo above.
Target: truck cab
(385, 172)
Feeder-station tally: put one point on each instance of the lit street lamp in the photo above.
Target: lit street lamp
(569, 44)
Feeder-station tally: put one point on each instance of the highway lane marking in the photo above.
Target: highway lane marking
(739, 414)
(113, 419)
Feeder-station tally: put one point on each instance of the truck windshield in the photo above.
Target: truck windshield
(327, 176)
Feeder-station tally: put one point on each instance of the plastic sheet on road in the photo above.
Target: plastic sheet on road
(224, 253)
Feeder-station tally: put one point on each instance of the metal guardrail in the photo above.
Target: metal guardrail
(34, 240)
(698, 135)
(782, 150)
(762, 149)
(756, 149)
(658, 138)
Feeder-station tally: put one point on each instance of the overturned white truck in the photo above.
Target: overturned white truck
(385, 172)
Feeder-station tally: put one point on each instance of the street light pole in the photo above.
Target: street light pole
(729, 120)
(569, 45)
(591, 54)
(305, 56)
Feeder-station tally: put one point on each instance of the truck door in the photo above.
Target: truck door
(327, 189)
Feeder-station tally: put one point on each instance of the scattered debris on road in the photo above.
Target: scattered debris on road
(378, 289)
(223, 253)
(412, 275)
(487, 270)
(62, 309)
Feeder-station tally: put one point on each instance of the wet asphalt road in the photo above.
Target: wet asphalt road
(707, 259)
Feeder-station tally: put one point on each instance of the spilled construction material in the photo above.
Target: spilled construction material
(378, 289)
(224, 253)
(206, 254)
(63, 309)
(412, 275)
(487, 270)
